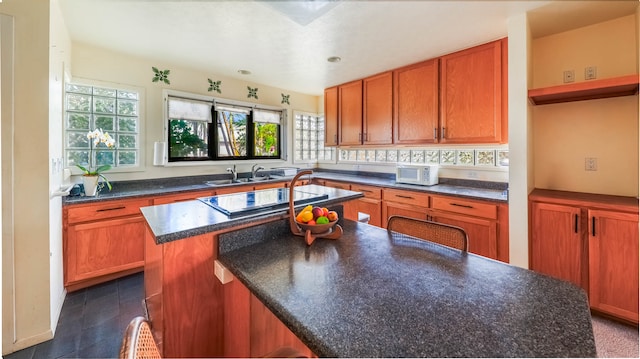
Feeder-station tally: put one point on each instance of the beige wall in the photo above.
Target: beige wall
(27, 171)
(99, 64)
(607, 129)
(520, 139)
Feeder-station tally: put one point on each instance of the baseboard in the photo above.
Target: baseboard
(58, 311)
(28, 342)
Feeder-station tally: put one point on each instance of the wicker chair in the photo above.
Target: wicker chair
(440, 233)
(138, 342)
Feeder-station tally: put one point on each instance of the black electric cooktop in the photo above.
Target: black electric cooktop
(237, 204)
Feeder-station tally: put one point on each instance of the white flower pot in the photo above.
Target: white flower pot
(90, 185)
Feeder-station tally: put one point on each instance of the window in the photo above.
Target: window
(203, 129)
(113, 110)
(309, 139)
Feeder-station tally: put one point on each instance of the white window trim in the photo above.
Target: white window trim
(141, 167)
(223, 101)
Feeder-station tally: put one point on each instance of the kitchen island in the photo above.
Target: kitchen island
(184, 300)
(373, 294)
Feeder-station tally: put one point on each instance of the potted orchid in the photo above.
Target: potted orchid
(90, 176)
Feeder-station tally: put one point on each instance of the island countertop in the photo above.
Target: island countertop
(169, 222)
(372, 294)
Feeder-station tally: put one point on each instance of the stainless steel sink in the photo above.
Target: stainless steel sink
(221, 182)
(259, 178)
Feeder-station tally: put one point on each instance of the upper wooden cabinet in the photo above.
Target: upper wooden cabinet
(331, 116)
(350, 113)
(415, 118)
(457, 98)
(378, 109)
(472, 86)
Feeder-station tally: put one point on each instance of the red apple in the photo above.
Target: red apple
(317, 212)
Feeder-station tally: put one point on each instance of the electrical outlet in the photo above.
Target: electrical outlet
(590, 73)
(590, 164)
(569, 76)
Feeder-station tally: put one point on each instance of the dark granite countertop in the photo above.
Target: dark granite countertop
(170, 222)
(490, 191)
(369, 294)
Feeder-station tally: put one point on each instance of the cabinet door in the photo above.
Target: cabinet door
(350, 113)
(556, 242)
(372, 207)
(104, 247)
(482, 233)
(402, 209)
(415, 119)
(378, 109)
(613, 263)
(331, 116)
(471, 95)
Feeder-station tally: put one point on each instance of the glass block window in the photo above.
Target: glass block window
(309, 139)
(113, 110)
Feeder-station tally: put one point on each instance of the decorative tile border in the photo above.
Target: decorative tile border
(447, 157)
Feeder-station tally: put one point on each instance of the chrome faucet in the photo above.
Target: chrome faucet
(255, 169)
(234, 173)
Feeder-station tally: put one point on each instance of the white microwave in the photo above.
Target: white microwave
(421, 174)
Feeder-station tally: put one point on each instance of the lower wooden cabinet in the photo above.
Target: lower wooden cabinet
(591, 241)
(102, 241)
(482, 233)
(404, 203)
(558, 247)
(370, 205)
(251, 330)
(613, 263)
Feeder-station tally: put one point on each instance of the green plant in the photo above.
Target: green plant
(97, 137)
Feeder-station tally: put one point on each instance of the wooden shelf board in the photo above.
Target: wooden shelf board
(587, 90)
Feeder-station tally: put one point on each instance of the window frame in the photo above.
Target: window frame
(140, 153)
(213, 155)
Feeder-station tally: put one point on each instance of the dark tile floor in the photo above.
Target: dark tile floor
(92, 321)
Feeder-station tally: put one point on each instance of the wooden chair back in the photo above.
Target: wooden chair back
(138, 342)
(440, 233)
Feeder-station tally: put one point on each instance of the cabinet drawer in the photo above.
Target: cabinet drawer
(368, 191)
(408, 197)
(462, 206)
(104, 210)
(340, 185)
(190, 196)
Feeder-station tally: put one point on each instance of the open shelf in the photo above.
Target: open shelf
(587, 90)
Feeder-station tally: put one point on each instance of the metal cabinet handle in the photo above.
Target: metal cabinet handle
(435, 133)
(110, 209)
(444, 133)
(461, 205)
(335, 139)
(593, 226)
(575, 223)
(401, 196)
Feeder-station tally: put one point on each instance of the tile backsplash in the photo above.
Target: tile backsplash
(445, 157)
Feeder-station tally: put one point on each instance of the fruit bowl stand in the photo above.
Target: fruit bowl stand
(334, 232)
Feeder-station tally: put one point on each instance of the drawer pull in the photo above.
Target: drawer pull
(593, 226)
(110, 209)
(461, 205)
(364, 190)
(184, 200)
(575, 223)
(401, 196)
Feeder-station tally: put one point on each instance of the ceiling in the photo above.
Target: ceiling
(290, 51)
